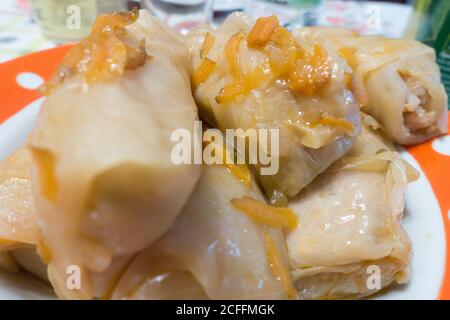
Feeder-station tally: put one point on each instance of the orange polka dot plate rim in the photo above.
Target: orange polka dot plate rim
(427, 213)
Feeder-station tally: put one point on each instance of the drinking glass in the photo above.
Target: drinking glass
(181, 15)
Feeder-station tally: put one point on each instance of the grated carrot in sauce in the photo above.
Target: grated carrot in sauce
(46, 171)
(207, 45)
(104, 55)
(232, 50)
(239, 171)
(310, 73)
(305, 72)
(235, 88)
(262, 31)
(335, 122)
(278, 266)
(264, 214)
(202, 73)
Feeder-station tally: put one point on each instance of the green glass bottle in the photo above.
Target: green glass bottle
(304, 3)
(430, 23)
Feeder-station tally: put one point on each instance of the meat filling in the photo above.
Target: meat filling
(417, 116)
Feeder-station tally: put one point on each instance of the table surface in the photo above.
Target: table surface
(20, 34)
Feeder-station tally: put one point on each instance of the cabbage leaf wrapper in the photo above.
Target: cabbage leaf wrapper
(213, 251)
(104, 183)
(399, 80)
(349, 228)
(245, 78)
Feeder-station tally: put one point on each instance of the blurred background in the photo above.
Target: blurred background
(31, 25)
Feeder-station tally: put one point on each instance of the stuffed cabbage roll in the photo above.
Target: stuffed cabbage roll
(349, 242)
(251, 75)
(105, 186)
(403, 89)
(216, 250)
(18, 221)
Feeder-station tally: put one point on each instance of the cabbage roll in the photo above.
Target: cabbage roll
(249, 75)
(18, 221)
(401, 79)
(350, 224)
(214, 251)
(104, 183)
